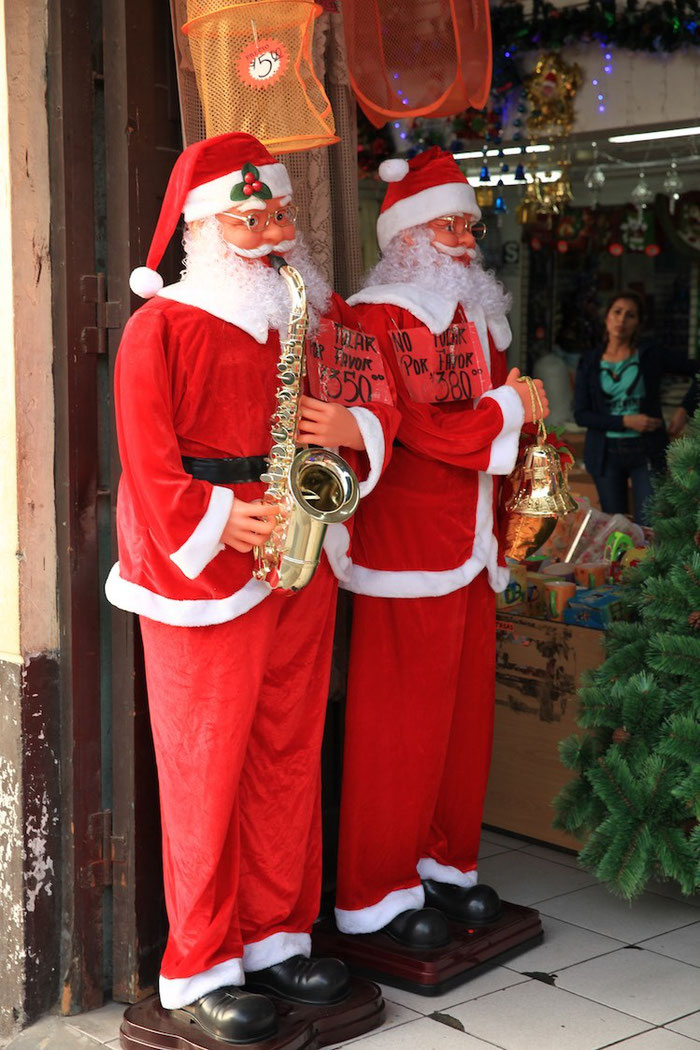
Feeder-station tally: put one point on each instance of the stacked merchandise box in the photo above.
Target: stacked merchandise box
(539, 664)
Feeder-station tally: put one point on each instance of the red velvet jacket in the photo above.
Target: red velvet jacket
(189, 383)
(429, 527)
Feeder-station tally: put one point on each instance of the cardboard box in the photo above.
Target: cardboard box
(538, 670)
(595, 608)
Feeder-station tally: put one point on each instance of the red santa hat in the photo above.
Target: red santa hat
(421, 189)
(209, 177)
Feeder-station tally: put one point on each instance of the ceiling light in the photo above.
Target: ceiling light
(509, 151)
(647, 136)
(510, 179)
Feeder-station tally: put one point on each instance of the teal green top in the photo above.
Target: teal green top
(623, 384)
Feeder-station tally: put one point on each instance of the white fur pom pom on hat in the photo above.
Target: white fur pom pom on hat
(393, 170)
(145, 282)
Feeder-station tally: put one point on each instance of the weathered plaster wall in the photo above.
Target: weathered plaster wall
(12, 957)
(29, 842)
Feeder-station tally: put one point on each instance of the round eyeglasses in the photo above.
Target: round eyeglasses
(257, 221)
(457, 225)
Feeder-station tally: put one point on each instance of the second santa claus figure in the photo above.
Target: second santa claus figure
(425, 567)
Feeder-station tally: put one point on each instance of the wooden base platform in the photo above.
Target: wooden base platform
(470, 951)
(147, 1026)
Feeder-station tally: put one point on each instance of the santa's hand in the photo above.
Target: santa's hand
(532, 412)
(249, 524)
(327, 424)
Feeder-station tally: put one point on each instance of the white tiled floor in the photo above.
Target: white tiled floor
(608, 974)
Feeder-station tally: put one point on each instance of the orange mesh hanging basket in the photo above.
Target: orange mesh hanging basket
(254, 71)
(418, 58)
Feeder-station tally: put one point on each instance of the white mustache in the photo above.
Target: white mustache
(454, 250)
(263, 249)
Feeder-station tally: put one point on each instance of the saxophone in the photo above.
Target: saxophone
(314, 487)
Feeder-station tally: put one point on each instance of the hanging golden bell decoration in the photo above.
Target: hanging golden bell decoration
(540, 496)
(531, 204)
(484, 196)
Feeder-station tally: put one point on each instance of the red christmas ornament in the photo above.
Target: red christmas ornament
(616, 249)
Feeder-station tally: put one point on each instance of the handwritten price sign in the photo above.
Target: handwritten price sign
(448, 367)
(344, 365)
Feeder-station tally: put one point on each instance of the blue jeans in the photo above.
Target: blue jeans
(625, 458)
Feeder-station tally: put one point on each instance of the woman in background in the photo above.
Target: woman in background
(618, 397)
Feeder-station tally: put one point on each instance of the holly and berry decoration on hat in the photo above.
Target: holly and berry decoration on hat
(251, 186)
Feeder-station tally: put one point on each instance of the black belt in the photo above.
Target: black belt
(226, 471)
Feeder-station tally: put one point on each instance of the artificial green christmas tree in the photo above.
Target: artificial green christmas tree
(636, 794)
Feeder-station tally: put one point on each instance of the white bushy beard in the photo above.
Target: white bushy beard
(212, 264)
(438, 272)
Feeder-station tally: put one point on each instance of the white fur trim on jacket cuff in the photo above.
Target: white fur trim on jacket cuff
(504, 449)
(373, 437)
(205, 542)
(176, 992)
(432, 869)
(373, 918)
(275, 949)
(187, 612)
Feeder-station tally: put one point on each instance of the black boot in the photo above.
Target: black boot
(476, 906)
(318, 982)
(232, 1015)
(419, 928)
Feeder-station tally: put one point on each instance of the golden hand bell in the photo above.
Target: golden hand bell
(540, 497)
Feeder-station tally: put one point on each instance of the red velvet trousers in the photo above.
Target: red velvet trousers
(419, 730)
(237, 711)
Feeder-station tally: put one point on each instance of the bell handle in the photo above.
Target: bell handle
(536, 406)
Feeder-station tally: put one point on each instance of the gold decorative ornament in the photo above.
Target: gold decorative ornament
(484, 196)
(531, 204)
(541, 492)
(551, 90)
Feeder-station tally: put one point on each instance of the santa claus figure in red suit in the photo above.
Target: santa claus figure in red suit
(425, 567)
(237, 673)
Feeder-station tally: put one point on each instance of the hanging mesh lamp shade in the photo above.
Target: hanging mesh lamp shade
(418, 58)
(254, 71)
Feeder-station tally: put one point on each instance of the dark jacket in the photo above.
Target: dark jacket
(592, 406)
(691, 401)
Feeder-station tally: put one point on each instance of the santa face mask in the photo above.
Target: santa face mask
(258, 228)
(456, 236)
